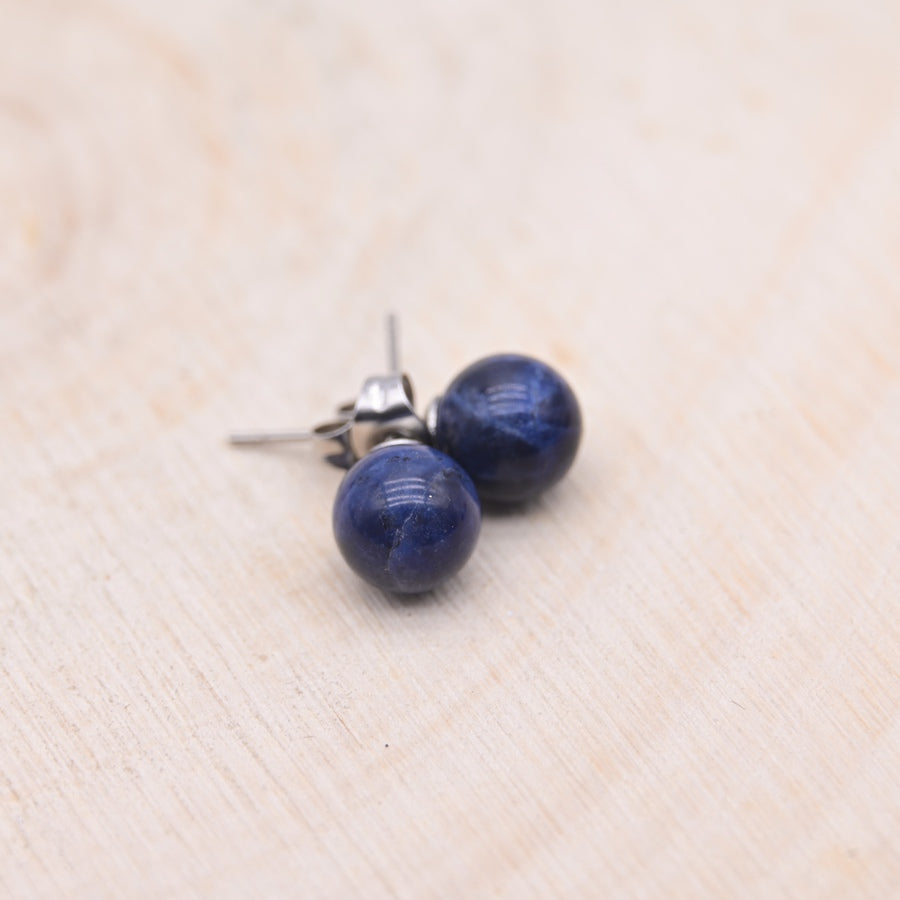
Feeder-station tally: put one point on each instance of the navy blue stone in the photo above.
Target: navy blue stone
(512, 423)
(406, 517)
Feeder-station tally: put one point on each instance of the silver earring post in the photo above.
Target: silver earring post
(383, 411)
(285, 437)
(393, 344)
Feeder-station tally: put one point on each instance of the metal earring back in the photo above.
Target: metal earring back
(384, 409)
(406, 516)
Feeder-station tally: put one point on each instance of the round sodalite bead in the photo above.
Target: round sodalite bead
(512, 423)
(406, 517)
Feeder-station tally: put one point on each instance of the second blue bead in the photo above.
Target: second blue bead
(513, 423)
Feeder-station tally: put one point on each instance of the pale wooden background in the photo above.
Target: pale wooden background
(678, 675)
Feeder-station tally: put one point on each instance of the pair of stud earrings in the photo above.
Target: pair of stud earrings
(408, 513)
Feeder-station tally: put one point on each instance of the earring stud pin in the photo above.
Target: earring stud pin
(384, 409)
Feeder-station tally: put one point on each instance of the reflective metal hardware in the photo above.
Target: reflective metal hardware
(383, 411)
(431, 417)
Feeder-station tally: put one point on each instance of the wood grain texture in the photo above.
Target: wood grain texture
(677, 675)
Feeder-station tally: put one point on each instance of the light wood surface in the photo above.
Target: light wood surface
(677, 675)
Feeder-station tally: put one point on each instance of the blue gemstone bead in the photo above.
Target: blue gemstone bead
(512, 423)
(406, 517)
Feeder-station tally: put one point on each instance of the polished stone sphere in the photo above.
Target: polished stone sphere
(512, 423)
(406, 517)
